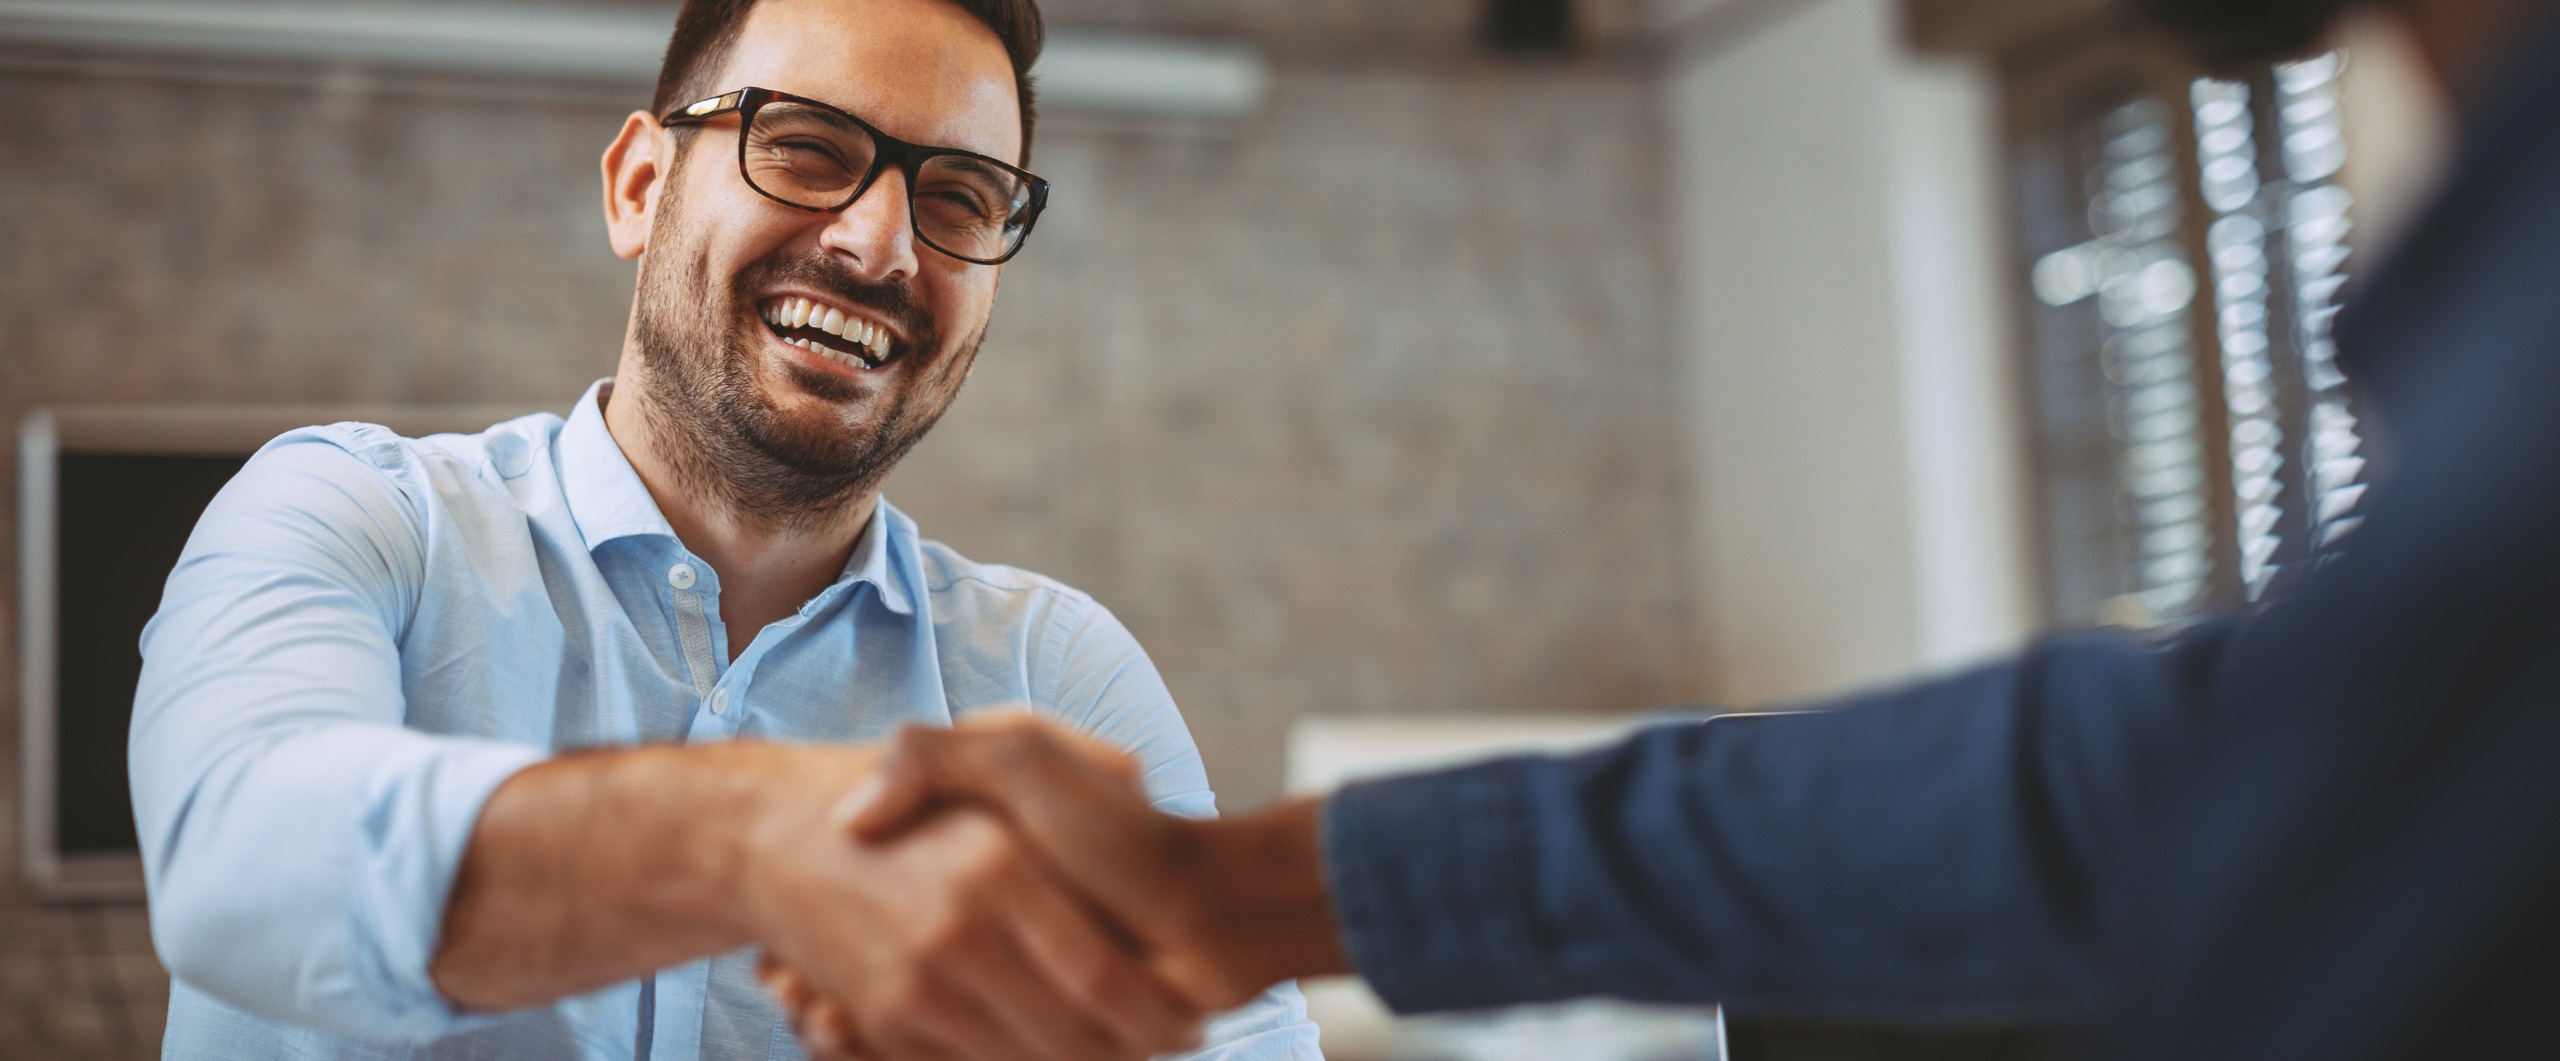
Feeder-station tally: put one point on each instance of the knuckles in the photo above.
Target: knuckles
(1096, 980)
(987, 863)
(1209, 984)
(909, 997)
(950, 938)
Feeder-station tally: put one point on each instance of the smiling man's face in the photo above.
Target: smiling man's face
(758, 326)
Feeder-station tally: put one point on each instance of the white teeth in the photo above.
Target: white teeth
(872, 339)
(825, 351)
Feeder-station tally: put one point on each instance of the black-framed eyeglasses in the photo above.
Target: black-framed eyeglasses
(817, 157)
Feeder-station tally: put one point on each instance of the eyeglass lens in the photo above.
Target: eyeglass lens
(813, 157)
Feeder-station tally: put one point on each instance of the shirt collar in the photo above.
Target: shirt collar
(608, 501)
(886, 557)
(605, 495)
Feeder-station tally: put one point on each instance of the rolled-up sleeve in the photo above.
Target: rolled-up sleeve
(300, 842)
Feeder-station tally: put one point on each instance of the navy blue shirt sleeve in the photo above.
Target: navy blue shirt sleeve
(1923, 854)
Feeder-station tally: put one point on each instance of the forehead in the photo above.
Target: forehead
(924, 71)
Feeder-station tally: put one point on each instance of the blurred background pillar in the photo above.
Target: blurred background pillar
(1853, 458)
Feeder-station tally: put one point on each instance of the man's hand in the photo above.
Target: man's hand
(956, 941)
(1223, 909)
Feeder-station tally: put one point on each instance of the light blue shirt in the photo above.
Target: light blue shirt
(368, 633)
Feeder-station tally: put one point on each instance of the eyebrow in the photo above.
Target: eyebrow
(828, 114)
(972, 162)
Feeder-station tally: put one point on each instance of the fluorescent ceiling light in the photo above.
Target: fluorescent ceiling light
(1081, 71)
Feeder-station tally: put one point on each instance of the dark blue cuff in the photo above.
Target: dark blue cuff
(1432, 884)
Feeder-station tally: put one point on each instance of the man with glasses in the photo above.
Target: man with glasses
(525, 743)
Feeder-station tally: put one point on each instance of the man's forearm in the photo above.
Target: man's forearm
(597, 867)
(1266, 869)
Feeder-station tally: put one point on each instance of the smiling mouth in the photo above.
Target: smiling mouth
(831, 333)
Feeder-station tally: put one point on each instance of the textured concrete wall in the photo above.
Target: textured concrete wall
(1360, 407)
(1362, 411)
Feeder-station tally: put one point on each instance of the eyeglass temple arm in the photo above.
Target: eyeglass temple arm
(705, 110)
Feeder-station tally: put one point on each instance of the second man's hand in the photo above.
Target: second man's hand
(1222, 909)
(953, 941)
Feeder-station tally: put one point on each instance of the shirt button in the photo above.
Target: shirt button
(680, 576)
(719, 701)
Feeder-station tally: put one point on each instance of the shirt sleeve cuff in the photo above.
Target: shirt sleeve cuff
(417, 824)
(1432, 885)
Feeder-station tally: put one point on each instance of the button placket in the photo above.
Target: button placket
(693, 627)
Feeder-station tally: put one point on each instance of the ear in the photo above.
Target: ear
(635, 166)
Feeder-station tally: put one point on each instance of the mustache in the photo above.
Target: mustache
(893, 300)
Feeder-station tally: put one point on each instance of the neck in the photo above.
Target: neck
(768, 567)
(2466, 42)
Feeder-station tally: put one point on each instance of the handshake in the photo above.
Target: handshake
(1024, 900)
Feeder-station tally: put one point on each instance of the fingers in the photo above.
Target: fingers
(894, 796)
(1041, 971)
(1099, 973)
(973, 1025)
(1076, 799)
(1079, 806)
(957, 941)
(1039, 1009)
(929, 763)
(824, 1029)
(1035, 1023)
(1040, 967)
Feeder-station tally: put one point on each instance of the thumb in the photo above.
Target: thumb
(898, 792)
(1078, 802)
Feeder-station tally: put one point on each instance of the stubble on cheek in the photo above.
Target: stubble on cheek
(779, 442)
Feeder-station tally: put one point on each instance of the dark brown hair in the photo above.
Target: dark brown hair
(707, 31)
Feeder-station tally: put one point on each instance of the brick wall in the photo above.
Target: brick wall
(1359, 405)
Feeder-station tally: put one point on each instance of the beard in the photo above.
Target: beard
(2232, 36)
(724, 437)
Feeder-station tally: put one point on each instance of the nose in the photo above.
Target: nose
(876, 232)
